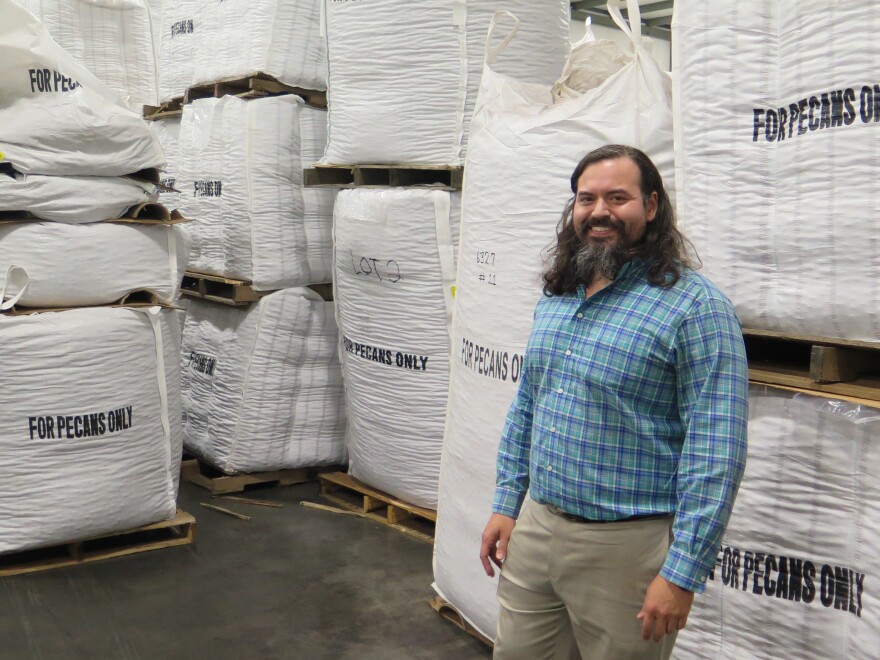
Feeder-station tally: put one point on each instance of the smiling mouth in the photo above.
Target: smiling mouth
(601, 231)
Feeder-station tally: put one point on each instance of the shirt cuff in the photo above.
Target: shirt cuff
(507, 502)
(685, 572)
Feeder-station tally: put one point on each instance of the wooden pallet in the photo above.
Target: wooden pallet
(257, 85)
(437, 177)
(207, 476)
(181, 530)
(451, 614)
(217, 288)
(172, 108)
(353, 495)
(829, 366)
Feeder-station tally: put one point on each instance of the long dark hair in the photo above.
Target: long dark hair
(663, 246)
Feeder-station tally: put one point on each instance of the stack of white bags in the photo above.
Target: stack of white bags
(262, 386)
(797, 571)
(204, 42)
(114, 39)
(395, 265)
(774, 93)
(523, 147)
(419, 62)
(96, 391)
(241, 178)
(168, 132)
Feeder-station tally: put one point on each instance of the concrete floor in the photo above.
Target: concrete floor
(291, 583)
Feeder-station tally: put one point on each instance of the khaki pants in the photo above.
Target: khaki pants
(572, 590)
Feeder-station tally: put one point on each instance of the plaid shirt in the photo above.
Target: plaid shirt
(633, 402)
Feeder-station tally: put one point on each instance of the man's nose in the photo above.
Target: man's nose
(600, 209)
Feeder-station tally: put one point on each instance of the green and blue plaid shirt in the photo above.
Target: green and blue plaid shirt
(633, 402)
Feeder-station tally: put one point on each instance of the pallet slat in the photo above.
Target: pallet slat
(346, 491)
(819, 364)
(451, 614)
(220, 289)
(201, 474)
(256, 85)
(180, 530)
(437, 177)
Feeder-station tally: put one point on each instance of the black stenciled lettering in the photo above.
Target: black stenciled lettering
(826, 594)
(849, 110)
(769, 583)
(813, 121)
(837, 108)
(841, 588)
(758, 123)
(809, 586)
(748, 567)
(795, 579)
(866, 104)
(802, 116)
(757, 576)
(825, 118)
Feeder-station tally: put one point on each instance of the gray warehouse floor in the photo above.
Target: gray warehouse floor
(291, 583)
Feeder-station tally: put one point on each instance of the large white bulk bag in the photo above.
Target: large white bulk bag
(798, 570)
(72, 199)
(90, 438)
(92, 264)
(113, 39)
(522, 151)
(180, 40)
(403, 75)
(279, 37)
(395, 267)
(240, 177)
(168, 132)
(262, 385)
(777, 149)
(56, 117)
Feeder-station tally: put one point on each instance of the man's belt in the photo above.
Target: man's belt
(580, 519)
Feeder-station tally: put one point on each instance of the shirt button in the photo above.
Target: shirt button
(580, 316)
(568, 352)
(553, 429)
(559, 391)
(549, 468)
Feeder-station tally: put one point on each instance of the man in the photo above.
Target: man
(628, 431)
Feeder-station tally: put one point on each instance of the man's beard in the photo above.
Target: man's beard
(597, 260)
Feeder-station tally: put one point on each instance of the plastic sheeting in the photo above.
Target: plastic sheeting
(73, 199)
(797, 572)
(168, 132)
(241, 179)
(777, 153)
(262, 386)
(395, 267)
(404, 75)
(114, 39)
(522, 151)
(102, 262)
(90, 442)
(282, 38)
(56, 118)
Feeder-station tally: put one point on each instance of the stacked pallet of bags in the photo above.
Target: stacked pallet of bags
(91, 438)
(777, 147)
(524, 144)
(240, 173)
(797, 571)
(262, 386)
(394, 269)
(204, 42)
(403, 75)
(114, 39)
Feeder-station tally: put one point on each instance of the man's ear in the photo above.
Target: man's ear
(651, 207)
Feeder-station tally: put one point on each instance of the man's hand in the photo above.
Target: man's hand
(665, 610)
(495, 538)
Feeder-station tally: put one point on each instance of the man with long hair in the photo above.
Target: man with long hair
(625, 445)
